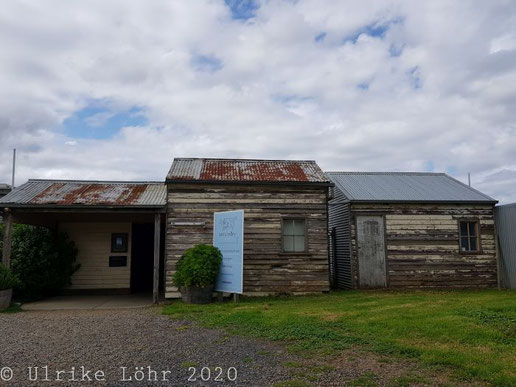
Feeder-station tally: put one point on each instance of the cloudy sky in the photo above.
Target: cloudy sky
(116, 89)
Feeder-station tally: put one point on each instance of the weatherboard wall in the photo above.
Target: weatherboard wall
(422, 245)
(93, 241)
(267, 270)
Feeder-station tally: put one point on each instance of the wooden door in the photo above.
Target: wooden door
(371, 251)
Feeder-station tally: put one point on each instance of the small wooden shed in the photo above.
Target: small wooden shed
(285, 219)
(410, 230)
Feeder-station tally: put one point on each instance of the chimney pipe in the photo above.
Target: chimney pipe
(14, 167)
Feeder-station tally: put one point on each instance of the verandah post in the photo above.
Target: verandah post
(157, 237)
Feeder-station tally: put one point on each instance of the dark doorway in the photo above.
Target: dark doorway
(142, 257)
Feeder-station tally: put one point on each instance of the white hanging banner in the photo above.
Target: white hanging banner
(228, 236)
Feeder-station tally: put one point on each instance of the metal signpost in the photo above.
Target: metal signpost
(228, 236)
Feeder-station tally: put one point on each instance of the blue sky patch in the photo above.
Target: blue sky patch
(363, 86)
(414, 75)
(396, 50)
(291, 99)
(320, 37)
(376, 29)
(206, 63)
(429, 166)
(452, 170)
(100, 122)
(242, 9)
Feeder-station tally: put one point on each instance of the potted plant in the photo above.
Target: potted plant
(196, 273)
(7, 282)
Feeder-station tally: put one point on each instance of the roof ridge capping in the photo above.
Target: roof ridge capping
(386, 173)
(237, 160)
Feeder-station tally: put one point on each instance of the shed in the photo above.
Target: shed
(273, 194)
(116, 226)
(410, 230)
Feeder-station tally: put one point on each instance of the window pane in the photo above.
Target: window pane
(473, 244)
(299, 227)
(288, 227)
(288, 243)
(299, 243)
(473, 229)
(464, 244)
(463, 229)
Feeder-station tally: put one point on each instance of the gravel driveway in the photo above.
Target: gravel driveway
(106, 340)
(169, 352)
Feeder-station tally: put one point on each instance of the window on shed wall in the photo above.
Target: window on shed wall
(294, 238)
(469, 236)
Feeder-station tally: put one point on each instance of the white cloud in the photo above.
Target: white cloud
(272, 91)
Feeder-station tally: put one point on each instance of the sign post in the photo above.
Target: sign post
(228, 236)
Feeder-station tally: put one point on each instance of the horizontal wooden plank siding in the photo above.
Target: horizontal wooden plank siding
(93, 241)
(266, 269)
(422, 243)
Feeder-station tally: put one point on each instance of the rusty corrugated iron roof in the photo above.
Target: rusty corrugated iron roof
(242, 170)
(87, 193)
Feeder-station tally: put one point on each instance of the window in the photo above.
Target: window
(468, 236)
(294, 235)
(119, 243)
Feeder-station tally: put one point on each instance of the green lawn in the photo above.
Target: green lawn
(471, 333)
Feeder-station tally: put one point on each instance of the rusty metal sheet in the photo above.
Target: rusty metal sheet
(238, 170)
(87, 193)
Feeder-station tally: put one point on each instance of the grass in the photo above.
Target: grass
(471, 333)
(14, 308)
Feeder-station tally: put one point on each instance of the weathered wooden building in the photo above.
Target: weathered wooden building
(116, 227)
(410, 230)
(285, 219)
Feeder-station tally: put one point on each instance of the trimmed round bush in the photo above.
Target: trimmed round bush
(7, 279)
(198, 267)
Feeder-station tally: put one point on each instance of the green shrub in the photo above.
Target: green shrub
(198, 267)
(7, 279)
(43, 260)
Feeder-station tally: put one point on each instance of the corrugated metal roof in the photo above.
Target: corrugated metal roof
(404, 186)
(242, 170)
(87, 193)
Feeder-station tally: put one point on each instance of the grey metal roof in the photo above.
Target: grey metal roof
(36, 193)
(244, 170)
(405, 187)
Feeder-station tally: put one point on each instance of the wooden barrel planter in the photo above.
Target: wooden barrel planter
(5, 298)
(197, 295)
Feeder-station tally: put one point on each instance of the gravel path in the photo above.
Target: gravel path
(107, 340)
(104, 341)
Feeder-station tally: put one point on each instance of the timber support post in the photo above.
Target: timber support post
(8, 236)
(157, 238)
